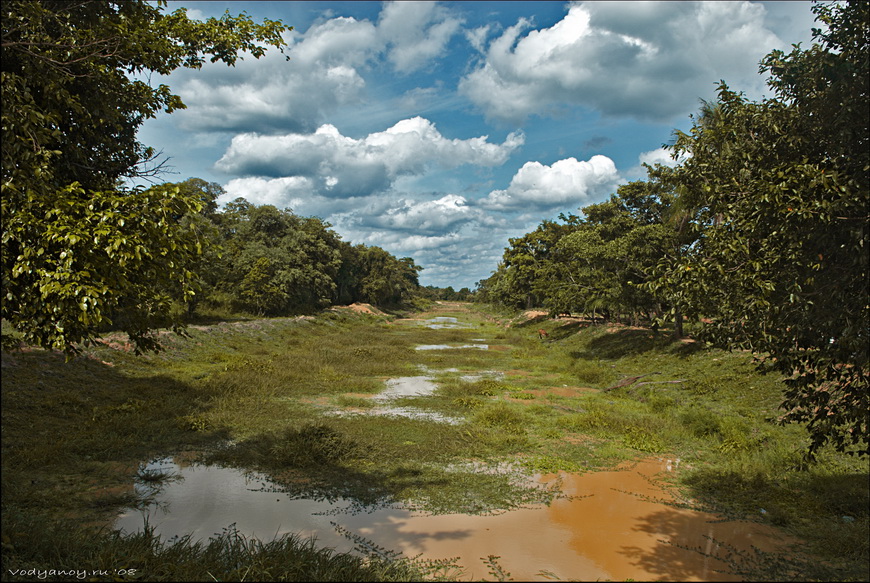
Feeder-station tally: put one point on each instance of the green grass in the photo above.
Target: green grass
(230, 556)
(259, 394)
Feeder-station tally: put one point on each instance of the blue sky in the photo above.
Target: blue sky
(439, 130)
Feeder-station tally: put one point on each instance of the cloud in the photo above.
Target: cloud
(324, 73)
(342, 41)
(658, 156)
(597, 142)
(432, 217)
(477, 37)
(416, 33)
(647, 60)
(566, 182)
(341, 166)
(285, 192)
(326, 70)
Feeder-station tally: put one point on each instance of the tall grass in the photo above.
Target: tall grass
(42, 550)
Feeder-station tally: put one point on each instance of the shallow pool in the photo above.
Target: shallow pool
(615, 525)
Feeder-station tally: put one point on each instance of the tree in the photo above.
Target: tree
(387, 280)
(275, 262)
(605, 262)
(779, 194)
(76, 245)
(522, 280)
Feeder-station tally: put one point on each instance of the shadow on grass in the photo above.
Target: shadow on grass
(566, 330)
(212, 319)
(626, 342)
(534, 321)
(72, 428)
(320, 462)
(837, 533)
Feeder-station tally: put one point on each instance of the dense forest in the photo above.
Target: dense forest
(270, 262)
(761, 229)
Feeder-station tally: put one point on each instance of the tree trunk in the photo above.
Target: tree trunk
(678, 322)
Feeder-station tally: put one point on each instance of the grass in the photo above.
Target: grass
(259, 394)
(229, 556)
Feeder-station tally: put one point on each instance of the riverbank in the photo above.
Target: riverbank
(292, 397)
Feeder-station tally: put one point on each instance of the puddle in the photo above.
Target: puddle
(204, 500)
(411, 413)
(442, 322)
(611, 530)
(449, 346)
(405, 387)
(470, 378)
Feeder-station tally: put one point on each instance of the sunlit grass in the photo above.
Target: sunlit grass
(263, 394)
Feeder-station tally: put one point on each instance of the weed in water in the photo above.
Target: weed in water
(352, 401)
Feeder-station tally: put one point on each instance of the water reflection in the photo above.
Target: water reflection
(444, 322)
(449, 346)
(614, 526)
(407, 387)
(404, 387)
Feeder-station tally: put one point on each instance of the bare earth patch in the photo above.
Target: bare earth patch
(360, 308)
(531, 314)
(569, 391)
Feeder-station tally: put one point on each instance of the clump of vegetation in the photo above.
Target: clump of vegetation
(228, 556)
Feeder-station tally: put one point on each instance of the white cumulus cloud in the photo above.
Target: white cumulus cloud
(566, 182)
(431, 217)
(658, 156)
(648, 60)
(285, 192)
(326, 70)
(342, 166)
(416, 33)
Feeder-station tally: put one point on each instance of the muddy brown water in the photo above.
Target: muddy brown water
(615, 525)
(611, 525)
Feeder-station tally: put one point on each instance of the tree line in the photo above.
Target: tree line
(271, 262)
(761, 229)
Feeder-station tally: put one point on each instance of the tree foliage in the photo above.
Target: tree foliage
(762, 230)
(597, 263)
(76, 245)
(779, 189)
(272, 262)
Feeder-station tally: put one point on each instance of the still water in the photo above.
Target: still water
(615, 525)
(445, 322)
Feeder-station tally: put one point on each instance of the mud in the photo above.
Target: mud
(616, 525)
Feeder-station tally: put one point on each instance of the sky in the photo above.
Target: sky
(440, 130)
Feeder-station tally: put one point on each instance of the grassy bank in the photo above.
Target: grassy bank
(287, 397)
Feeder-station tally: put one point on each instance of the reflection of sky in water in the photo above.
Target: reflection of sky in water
(403, 388)
(412, 413)
(407, 387)
(204, 500)
(442, 322)
(610, 528)
(449, 347)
